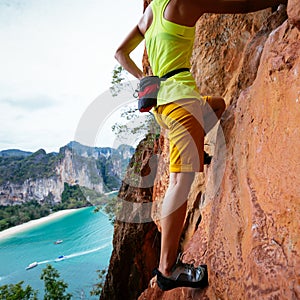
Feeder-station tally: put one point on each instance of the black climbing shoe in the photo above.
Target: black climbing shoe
(183, 275)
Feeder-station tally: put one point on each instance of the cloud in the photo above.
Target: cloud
(12, 3)
(31, 103)
(56, 58)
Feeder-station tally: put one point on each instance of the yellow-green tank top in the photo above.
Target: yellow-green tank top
(169, 47)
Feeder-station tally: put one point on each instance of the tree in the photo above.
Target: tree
(118, 82)
(99, 286)
(16, 292)
(55, 289)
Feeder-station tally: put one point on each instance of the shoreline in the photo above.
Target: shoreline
(33, 223)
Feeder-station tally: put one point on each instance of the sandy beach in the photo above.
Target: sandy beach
(33, 223)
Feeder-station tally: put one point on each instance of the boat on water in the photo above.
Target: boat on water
(58, 242)
(60, 258)
(32, 265)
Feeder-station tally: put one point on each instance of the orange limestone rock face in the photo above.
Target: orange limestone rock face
(293, 11)
(249, 229)
(244, 210)
(250, 232)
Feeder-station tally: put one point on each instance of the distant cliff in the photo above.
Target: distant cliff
(26, 176)
(244, 210)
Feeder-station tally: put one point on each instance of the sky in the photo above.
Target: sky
(56, 58)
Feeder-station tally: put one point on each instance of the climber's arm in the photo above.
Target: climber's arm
(131, 41)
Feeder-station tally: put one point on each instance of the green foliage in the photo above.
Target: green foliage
(93, 196)
(72, 192)
(17, 169)
(96, 291)
(82, 162)
(18, 214)
(12, 215)
(117, 80)
(71, 197)
(120, 82)
(106, 167)
(136, 125)
(112, 208)
(103, 164)
(14, 152)
(55, 289)
(17, 292)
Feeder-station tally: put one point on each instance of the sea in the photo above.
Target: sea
(86, 246)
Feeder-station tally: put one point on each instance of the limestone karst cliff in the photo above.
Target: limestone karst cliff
(41, 176)
(244, 210)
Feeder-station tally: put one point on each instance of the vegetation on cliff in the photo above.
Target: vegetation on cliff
(106, 163)
(49, 178)
(16, 169)
(18, 166)
(12, 215)
(55, 288)
(17, 214)
(103, 166)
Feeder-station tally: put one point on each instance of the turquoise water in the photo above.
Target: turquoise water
(87, 245)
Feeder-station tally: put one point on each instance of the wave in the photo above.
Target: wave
(76, 254)
(88, 251)
(45, 261)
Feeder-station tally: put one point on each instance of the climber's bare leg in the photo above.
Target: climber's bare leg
(213, 112)
(173, 216)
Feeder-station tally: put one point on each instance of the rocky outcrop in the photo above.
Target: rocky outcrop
(136, 238)
(248, 199)
(293, 10)
(41, 176)
(43, 187)
(243, 211)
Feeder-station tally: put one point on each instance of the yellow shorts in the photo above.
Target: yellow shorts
(184, 121)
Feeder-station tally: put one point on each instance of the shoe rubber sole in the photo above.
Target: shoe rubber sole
(167, 284)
